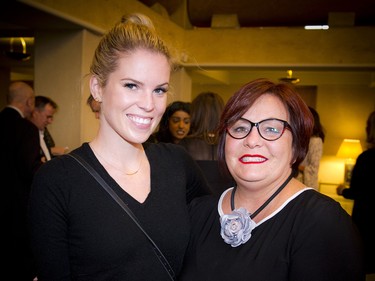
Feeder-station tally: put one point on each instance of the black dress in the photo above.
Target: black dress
(309, 238)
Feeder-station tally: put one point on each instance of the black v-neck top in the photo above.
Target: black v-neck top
(80, 233)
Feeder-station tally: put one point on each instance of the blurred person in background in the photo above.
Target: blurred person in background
(309, 168)
(202, 142)
(42, 116)
(175, 123)
(362, 191)
(20, 160)
(94, 106)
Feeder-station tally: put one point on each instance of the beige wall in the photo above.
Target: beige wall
(281, 46)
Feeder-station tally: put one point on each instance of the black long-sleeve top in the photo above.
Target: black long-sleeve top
(80, 233)
(362, 191)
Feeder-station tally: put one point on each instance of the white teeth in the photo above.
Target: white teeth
(140, 120)
(252, 159)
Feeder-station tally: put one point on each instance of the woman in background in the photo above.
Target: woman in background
(309, 168)
(175, 123)
(202, 142)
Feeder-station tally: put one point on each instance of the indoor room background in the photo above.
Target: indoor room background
(336, 67)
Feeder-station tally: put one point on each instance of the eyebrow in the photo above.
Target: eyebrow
(141, 83)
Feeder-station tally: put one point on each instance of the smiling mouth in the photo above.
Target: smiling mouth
(250, 159)
(140, 120)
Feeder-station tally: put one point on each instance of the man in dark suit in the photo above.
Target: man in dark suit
(19, 161)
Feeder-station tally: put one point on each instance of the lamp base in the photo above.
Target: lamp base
(348, 173)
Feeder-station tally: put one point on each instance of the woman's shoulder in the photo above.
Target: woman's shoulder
(369, 153)
(314, 204)
(61, 164)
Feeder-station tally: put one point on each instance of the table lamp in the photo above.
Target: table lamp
(349, 150)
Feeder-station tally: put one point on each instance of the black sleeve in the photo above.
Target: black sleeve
(361, 181)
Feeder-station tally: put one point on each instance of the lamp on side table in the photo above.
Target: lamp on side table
(349, 150)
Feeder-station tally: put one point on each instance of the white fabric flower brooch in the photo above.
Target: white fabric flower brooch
(236, 227)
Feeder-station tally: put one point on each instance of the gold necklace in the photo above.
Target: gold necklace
(136, 171)
(128, 174)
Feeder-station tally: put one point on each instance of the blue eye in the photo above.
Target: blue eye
(241, 129)
(131, 86)
(160, 91)
(271, 130)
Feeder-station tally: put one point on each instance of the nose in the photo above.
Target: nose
(147, 102)
(181, 124)
(253, 138)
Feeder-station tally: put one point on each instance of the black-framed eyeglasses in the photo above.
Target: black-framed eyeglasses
(269, 129)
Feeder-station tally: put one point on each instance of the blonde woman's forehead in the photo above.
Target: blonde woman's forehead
(144, 66)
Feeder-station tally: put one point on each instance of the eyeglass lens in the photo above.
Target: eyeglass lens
(268, 129)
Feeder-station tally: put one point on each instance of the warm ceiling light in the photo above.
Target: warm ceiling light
(17, 53)
(316, 27)
(289, 78)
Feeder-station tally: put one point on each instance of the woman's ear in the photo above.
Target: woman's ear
(95, 89)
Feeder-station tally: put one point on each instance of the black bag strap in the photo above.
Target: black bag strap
(107, 188)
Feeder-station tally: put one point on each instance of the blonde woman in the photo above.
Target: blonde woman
(78, 231)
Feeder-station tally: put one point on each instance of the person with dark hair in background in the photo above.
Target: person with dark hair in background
(175, 123)
(362, 191)
(19, 161)
(78, 230)
(94, 106)
(269, 226)
(309, 168)
(202, 142)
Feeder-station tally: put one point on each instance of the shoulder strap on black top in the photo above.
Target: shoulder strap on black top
(107, 188)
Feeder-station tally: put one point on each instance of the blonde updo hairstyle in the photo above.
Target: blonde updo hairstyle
(133, 32)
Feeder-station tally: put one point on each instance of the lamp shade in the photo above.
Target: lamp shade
(349, 148)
